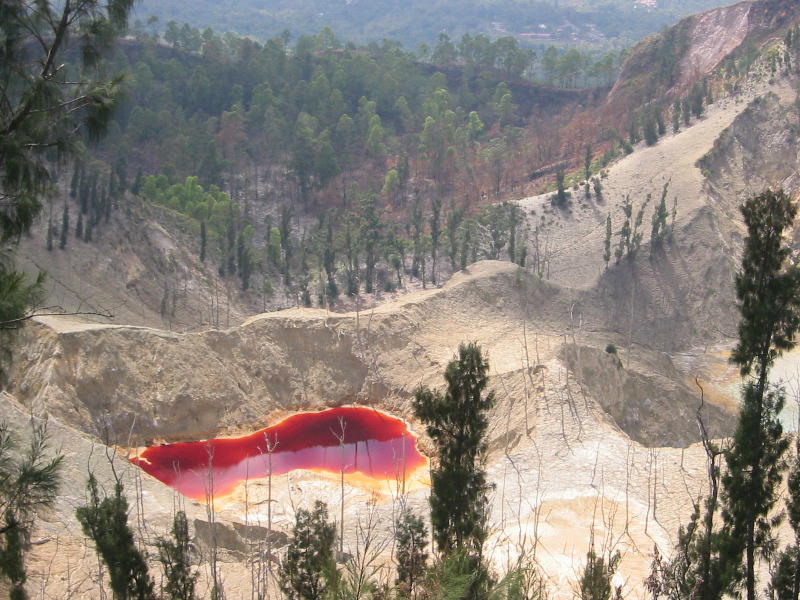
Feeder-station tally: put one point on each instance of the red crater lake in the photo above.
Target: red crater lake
(354, 440)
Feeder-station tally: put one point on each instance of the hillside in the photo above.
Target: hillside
(597, 363)
(561, 398)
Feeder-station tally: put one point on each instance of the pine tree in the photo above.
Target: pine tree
(676, 116)
(79, 226)
(598, 189)
(636, 232)
(561, 198)
(596, 579)
(87, 231)
(625, 233)
(659, 231)
(105, 522)
(29, 484)
(587, 163)
(436, 230)
(661, 126)
(286, 241)
(607, 243)
(50, 233)
(768, 294)
(456, 422)
(650, 127)
(411, 554)
(64, 234)
(203, 241)
(174, 554)
(785, 583)
(76, 176)
(308, 570)
(137, 183)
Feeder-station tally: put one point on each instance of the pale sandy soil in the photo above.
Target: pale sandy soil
(577, 237)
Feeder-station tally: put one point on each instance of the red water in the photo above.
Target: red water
(374, 444)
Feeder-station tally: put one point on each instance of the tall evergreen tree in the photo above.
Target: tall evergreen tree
(456, 422)
(412, 542)
(785, 584)
(29, 484)
(50, 227)
(436, 230)
(768, 294)
(309, 569)
(203, 241)
(105, 522)
(64, 234)
(174, 554)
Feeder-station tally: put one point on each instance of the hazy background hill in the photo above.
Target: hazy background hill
(595, 22)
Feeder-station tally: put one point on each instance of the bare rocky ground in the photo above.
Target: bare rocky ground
(559, 456)
(584, 444)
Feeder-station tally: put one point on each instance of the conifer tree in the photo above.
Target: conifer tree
(412, 555)
(87, 231)
(785, 584)
(587, 162)
(436, 230)
(598, 188)
(676, 116)
(203, 241)
(659, 230)
(456, 422)
(596, 579)
(50, 233)
(29, 484)
(308, 571)
(174, 554)
(625, 233)
(561, 195)
(768, 294)
(64, 234)
(105, 522)
(607, 243)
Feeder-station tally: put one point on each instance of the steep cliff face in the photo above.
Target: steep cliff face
(664, 66)
(757, 151)
(138, 385)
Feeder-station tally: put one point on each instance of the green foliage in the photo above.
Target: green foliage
(767, 287)
(785, 581)
(458, 575)
(190, 198)
(659, 231)
(611, 349)
(624, 245)
(411, 554)
(768, 294)
(595, 582)
(29, 484)
(308, 569)
(44, 108)
(750, 483)
(456, 421)
(105, 522)
(561, 198)
(174, 554)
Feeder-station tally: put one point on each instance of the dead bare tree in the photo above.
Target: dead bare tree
(341, 437)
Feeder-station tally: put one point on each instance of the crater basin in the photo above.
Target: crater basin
(347, 439)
